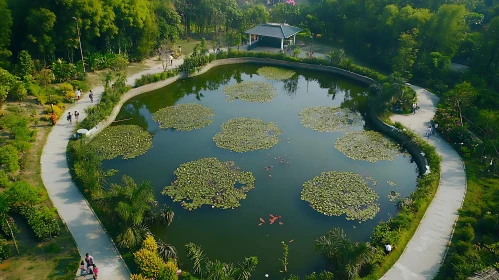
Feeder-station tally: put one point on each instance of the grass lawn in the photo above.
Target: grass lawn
(53, 259)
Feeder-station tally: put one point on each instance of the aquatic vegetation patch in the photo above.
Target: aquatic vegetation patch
(367, 145)
(374, 182)
(208, 181)
(247, 134)
(391, 183)
(392, 196)
(250, 91)
(329, 118)
(275, 73)
(336, 193)
(128, 141)
(184, 117)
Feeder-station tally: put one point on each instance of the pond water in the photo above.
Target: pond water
(230, 235)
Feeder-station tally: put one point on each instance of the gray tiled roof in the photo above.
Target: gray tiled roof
(276, 30)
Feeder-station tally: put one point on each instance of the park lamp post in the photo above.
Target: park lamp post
(79, 39)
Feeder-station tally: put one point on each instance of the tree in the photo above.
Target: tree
(25, 66)
(346, 257)
(284, 13)
(40, 31)
(461, 96)
(407, 53)
(336, 56)
(5, 31)
(130, 204)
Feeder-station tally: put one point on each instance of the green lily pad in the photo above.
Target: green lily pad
(250, 92)
(337, 193)
(184, 117)
(208, 181)
(367, 145)
(246, 134)
(329, 118)
(391, 183)
(128, 141)
(393, 195)
(274, 73)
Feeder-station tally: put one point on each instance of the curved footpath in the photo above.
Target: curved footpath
(82, 222)
(426, 250)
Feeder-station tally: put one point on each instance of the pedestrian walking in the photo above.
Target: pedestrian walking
(78, 94)
(180, 50)
(69, 117)
(414, 108)
(171, 60)
(428, 131)
(96, 272)
(76, 114)
(91, 96)
(83, 270)
(90, 263)
(435, 126)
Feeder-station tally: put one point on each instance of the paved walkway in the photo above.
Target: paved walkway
(73, 208)
(425, 252)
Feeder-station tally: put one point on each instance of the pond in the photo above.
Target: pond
(230, 235)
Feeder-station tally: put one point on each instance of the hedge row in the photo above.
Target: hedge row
(154, 78)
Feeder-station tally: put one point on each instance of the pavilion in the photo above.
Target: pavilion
(269, 34)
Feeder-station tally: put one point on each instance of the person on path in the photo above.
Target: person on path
(76, 114)
(171, 60)
(78, 94)
(180, 50)
(90, 263)
(428, 133)
(83, 270)
(414, 108)
(96, 272)
(69, 117)
(435, 126)
(91, 96)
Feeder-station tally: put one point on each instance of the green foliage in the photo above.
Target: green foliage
(128, 141)
(42, 220)
(25, 65)
(115, 62)
(154, 78)
(9, 158)
(110, 97)
(21, 194)
(345, 256)
(5, 251)
(65, 71)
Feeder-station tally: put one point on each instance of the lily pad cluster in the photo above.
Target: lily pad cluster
(208, 181)
(375, 183)
(247, 134)
(250, 91)
(128, 141)
(367, 145)
(329, 118)
(275, 73)
(184, 117)
(391, 183)
(336, 193)
(392, 196)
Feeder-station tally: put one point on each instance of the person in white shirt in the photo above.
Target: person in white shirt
(388, 248)
(171, 59)
(78, 94)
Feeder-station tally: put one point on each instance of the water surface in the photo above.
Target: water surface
(229, 235)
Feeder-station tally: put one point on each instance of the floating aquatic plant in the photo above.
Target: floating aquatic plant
(184, 117)
(366, 145)
(128, 141)
(375, 183)
(393, 195)
(246, 134)
(275, 73)
(391, 183)
(329, 118)
(337, 193)
(208, 181)
(250, 92)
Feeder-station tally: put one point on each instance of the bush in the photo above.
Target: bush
(42, 220)
(21, 194)
(9, 158)
(5, 252)
(153, 78)
(53, 109)
(67, 91)
(149, 262)
(83, 85)
(64, 71)
(465, 233)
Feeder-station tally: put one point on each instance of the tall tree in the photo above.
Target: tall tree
(5, 31)
(407, 52)
(40, 31)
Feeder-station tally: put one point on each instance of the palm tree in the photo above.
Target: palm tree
(196, 255)
(346, 257)
(164, 215)
(166, 251)
(246, 267)
(217, 270)
(130, 203)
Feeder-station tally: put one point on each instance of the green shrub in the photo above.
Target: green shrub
(153, 78)
(21, 194)
(42, 220)
(5, 252)
(465, 233)
(9, 158)
(83, 85)
(64, 71)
